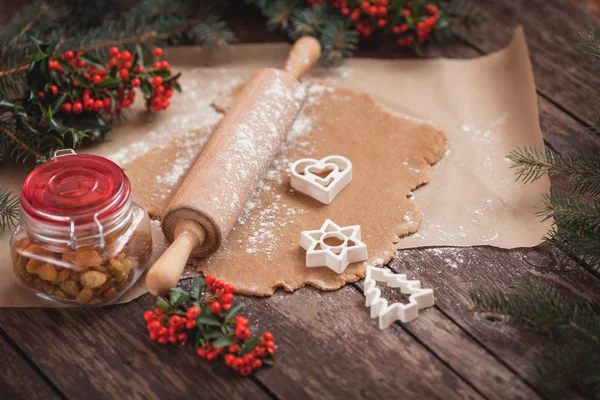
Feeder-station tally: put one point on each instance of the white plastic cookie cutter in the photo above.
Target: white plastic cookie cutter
(388, 314)
(321, 179)
(333, 246)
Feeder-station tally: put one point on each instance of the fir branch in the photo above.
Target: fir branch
(15, 70)
(20, 144)
(583, 171)
(591, 45)
(540, 307)
(570, 210)
(279, 13)
(212, 32)
(465, 14)
(9, 210)
(153, 35)
(580, 363)
(309, 21)
(578, 241)
(43, 10)
(338, 42)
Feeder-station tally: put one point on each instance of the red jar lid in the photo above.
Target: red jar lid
(76, 186)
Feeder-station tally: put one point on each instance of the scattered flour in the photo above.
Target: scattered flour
(265, 217)
(191, 111)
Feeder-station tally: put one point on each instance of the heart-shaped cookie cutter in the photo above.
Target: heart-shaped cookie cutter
(321, 179)
(388, 314)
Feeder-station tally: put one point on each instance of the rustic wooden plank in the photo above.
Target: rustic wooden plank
(564, 133)
(563, 73)
(18, 380)
(104, 353)
(461, 352)
(453, 272)
(328, 348)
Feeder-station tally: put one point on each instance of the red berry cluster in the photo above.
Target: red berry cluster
(367, 14)
(245, 364)
(218, 334)
(173, 329)
(402, 20)
(92, 87)
(223, 294)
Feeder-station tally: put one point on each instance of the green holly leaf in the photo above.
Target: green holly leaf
(235, 308)
(108, 83)
(114, 101)
(250, 344)
(39, 45)
(138, 56)
(33, 77)
(65, 65)
(210, 320)
(146, 89)
(198, 283)
(178, 296)
(91, 59)
(223, 341)
(37, 56)
(162, 304)
(5, 103)
(176, 87)
(163, 73)
(58, 103)
(172, 78)
(82, 80)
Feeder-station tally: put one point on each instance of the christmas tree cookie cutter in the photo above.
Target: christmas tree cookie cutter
(333, 246)
(321, 179)
(388, 314)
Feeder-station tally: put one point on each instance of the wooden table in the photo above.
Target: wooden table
(449, 352)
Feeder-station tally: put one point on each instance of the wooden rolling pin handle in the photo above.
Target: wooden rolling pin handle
(166, 271)
(304, 55)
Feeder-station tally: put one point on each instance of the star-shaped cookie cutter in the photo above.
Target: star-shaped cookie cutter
(388, 314)
(333, 246)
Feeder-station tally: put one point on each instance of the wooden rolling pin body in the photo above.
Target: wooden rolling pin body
(205, 208)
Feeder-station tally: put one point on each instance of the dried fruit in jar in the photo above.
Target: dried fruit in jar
(47, 272)
(83, 257)
(93, 279)
(86, 275)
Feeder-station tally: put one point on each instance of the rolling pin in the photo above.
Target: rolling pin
(209, 201)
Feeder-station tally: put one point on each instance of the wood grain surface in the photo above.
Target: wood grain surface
(448, 352)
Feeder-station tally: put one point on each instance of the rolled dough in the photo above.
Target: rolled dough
(391, 157)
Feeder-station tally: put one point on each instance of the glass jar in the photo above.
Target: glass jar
(81, 239)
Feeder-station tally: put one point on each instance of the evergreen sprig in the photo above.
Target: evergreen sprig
(9, 210)
(582, 170)
(591, 46)
(339, 33)
(542, 308)
(539, 306)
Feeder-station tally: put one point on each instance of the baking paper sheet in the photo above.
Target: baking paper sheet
(486, 106)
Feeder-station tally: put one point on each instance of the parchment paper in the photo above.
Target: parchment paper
(485, 106)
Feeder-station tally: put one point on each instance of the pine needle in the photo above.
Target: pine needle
(9, 210)
(591, 45)
(582, 171)
(541, 307)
